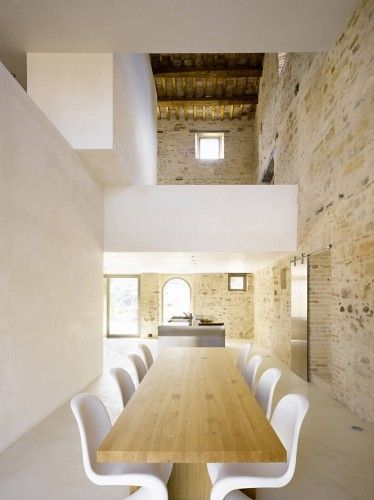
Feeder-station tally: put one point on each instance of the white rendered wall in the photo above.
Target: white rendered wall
(134, 109)
(50, 266)
(75, 91)
(200, 218)
(105, 106)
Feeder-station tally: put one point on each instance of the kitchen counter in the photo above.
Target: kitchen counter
(190, 336)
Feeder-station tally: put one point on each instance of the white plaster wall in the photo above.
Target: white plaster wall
(134, 108)
(200, 218)
(105, 106)
(50, 266)
(75, 91)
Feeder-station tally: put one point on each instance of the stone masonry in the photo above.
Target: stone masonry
(210, 298)
(176, 153)
(317, 117)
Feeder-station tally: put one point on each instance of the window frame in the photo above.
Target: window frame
(210, 135)
(237, 275)
(107, 278)
(163, 321)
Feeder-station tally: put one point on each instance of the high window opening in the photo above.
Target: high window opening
(176, 299)
(209, 145)
(282, 58)
(122, 301)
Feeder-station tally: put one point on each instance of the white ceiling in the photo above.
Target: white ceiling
(166, 26)
(186, 263)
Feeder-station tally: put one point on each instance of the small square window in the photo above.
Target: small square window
(209, 145)
(237, 282)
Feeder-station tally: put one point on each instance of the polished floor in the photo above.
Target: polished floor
(334, 461)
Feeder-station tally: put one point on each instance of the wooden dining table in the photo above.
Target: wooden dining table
(192, 407)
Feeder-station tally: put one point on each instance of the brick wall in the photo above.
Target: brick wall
(176, 153)
(318, 117)
(319, 317)
(210, 298)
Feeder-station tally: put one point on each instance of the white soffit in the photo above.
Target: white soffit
(167, 26)
(187, 263)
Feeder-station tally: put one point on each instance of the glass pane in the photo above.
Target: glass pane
(237, 282)
(176, 299)
(124, 306)
(209, 148)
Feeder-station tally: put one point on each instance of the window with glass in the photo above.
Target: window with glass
(237, 282)
(176, 299)
(209, 145)
(122, 312)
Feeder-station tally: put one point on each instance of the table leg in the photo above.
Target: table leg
(191, 482)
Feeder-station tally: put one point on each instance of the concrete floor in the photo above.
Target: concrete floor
(334, 462)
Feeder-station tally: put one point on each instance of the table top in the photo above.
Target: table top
(192, 407)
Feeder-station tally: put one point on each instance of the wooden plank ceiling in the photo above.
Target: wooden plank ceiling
(206, 86)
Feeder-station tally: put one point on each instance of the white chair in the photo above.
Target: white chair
(124, 382)
(228, 479)
(265, 389)
(138, 367)
(243, 358)
(94, 424)
(250, 370)
(146, 355)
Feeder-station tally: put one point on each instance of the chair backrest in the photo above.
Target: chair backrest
(286, 421)
(265, 389)
(147, 355)
(243, 357)
(94, 424)
(124, 382)
(250, 370)
(138, 367)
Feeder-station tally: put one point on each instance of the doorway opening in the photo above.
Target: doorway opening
(122, 305)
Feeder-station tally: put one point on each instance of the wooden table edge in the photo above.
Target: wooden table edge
(103, 456)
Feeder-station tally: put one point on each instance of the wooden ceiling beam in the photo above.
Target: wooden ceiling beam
(206, 101)
(217, 72)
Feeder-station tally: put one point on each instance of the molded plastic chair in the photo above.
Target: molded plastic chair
(250, 370)
(138, 366)
(124, 382)
(228, 479)
(240, 364)
(94, 424)
(265, 389)
(146, 354)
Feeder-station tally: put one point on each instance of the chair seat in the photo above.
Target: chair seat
(286, 421)
(111, 473)
(258, 474)
(162, 471)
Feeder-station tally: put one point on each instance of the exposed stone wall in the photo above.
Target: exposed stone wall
(176, 153)
(272, 309)
(318, 116)
(210, 298)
